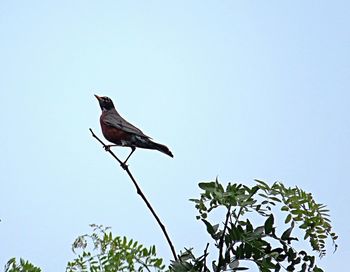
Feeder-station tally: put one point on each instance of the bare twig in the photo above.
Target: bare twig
(140, 193)
(221, 243)
(205, 269)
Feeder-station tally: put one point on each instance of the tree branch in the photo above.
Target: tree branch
(221, 243)
(205, 268)
(140, 193)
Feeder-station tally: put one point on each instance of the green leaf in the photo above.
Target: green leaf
(275, 199)
(296, 212)
(277, 267)
(317, 269)
(269, 224)
(288, 218)
(207, 186)
(248, 251)
(210, 229)
(284, 208)
(264, 185)
(249, 226)
(240, 251)
(287, 233)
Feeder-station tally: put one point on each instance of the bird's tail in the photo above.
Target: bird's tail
(161, 148)
(146, 143)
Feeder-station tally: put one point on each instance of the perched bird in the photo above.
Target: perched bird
(120, 132)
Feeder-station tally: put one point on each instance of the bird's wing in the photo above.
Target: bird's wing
(112, 118)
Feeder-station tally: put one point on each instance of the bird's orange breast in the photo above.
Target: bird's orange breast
(113, 134)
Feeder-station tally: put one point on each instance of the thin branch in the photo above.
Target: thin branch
(141, 194)
(221, 243)
(205, 268)
(239, 213)
(142, 263)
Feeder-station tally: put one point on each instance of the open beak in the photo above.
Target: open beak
(98, 97)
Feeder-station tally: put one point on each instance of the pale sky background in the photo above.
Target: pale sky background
(236, 89)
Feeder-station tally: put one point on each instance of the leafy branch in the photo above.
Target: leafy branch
(302, 208)
(238, 240)
(112, 253)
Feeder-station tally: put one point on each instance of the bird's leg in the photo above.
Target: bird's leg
(108, 147)
(133, 148)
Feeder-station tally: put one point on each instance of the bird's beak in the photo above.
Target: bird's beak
(98, 97)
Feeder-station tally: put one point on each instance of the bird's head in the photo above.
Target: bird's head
(105, 102)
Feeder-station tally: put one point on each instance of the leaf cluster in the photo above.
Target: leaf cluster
(237, 239)
(112, 254)
(188, 262)
(302, 208)
(22, 266)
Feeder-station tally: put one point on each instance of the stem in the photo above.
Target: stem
(221, 243)
(141, 194)
(204, 268)
(239, 213)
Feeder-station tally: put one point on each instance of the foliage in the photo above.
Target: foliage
(112, 254)
(248, 232)
(237, 239)
(23, 266)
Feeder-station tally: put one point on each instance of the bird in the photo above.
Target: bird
(121, 133)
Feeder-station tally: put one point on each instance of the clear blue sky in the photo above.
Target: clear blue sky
(237, 89)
